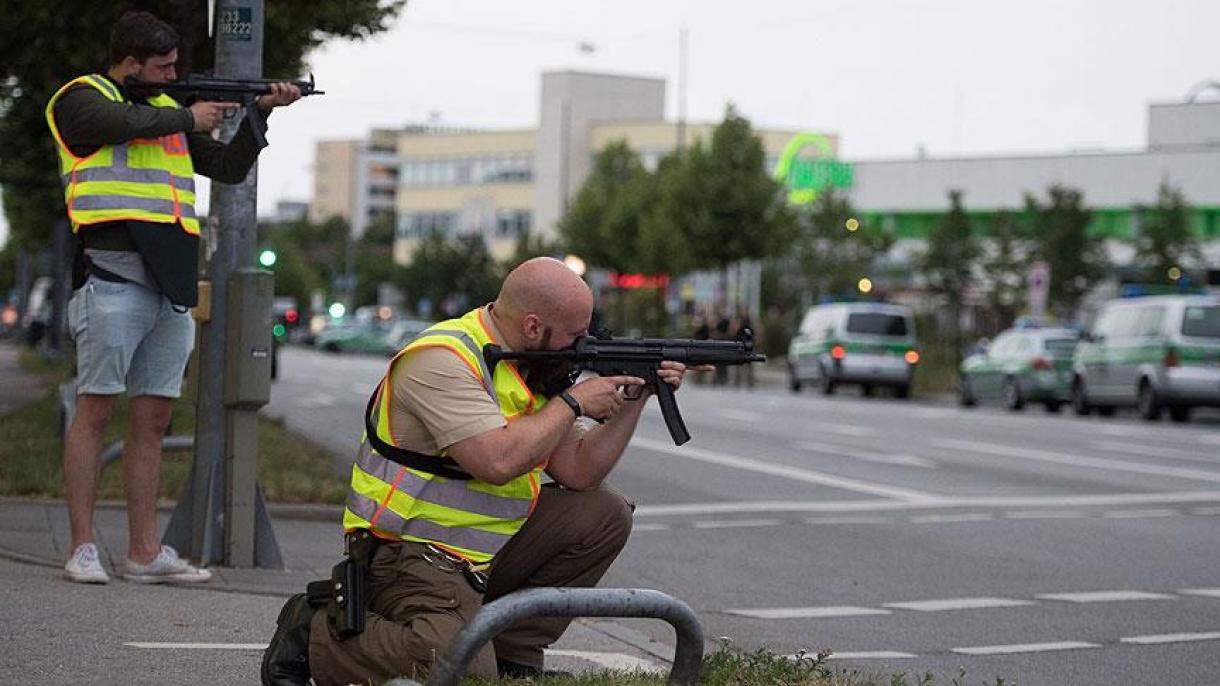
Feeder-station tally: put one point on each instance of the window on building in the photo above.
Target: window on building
(512, 223)
(425, 224)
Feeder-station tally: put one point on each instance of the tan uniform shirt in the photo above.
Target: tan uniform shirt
(436, 401)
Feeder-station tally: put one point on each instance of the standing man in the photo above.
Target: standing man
(127, 157)
(473, 522)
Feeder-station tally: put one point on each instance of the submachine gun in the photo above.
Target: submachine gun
(607, 356)
(245, 92)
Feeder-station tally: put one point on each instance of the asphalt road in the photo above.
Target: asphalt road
(904, 536)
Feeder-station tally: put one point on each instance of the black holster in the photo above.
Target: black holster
(346, 591)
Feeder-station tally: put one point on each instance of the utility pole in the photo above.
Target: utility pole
(682, 88)
(221, 516)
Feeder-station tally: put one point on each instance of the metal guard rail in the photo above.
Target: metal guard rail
(499, 615)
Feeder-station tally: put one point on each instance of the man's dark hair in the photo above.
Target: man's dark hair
(141, 35)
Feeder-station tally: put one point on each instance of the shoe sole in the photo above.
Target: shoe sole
(86, 579)
(165, 579)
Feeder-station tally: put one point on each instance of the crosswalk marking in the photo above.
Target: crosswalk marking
(1156, 639)
(808, 612)
(1024, 648)
(957, 604)
(1103, 596)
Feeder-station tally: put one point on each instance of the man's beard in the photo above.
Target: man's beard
(548, 378)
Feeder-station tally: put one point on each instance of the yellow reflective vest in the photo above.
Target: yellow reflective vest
(468, 517)
(149, 180)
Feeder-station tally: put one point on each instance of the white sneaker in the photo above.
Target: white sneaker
(84, 567)
(166, 568)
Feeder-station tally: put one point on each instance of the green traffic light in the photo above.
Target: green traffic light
(266, 258)
(278, 330)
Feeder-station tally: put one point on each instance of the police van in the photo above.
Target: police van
(866, 344)
(1155, 353)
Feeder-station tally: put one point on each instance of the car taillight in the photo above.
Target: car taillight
(838, 352)
(1171, 357)
(912, 357)
(1041, 363)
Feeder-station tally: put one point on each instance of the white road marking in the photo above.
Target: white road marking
(1054, 501)
(871, 655)
(848, 520)
(1156, 639)
(936, 518)
(1104, 596)
(958, 604)
(198, 646)
(935, 413)
(1154, 451)
(1206, 511)
(791, 473)
(735, 523)
(846, 429)
(1024, 648)
(362, 388)
(807, 612)
(1076, 460)
(1139, 514)
(740, 415)
(616, 661)
(650, 527)
(1210, 439)
(1206, 592)
(866, 455)
(316, 400)
(1045, 514)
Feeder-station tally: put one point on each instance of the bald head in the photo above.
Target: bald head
(543, 293)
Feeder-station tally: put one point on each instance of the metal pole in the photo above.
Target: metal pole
(61, 272)
(221, 509)
(502, 613)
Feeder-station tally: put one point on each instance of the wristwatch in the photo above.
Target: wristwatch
(576, 408)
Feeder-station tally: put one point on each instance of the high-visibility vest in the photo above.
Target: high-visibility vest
(145, 179)
(468, 517)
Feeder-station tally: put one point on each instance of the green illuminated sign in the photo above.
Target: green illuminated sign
(806, 176)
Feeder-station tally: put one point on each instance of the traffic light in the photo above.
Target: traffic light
(291, 316)
(266, 258)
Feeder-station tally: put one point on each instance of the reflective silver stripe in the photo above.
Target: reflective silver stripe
(118, 156)
(458, 536)
(452, 493)
(106, 87)
(182, 183)
(474, 349)
(86, 203)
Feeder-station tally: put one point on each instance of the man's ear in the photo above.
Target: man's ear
(128, 66)
(532, 327)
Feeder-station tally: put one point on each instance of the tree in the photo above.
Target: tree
(721, 201)
(603, 223)
(43, 45)
(374, 259)
(829, 257)
(1060, 237)
(949, 261)
(447, 276)
(1006, 264)
(1164, 240)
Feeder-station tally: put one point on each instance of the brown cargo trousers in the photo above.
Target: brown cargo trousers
(417, 604)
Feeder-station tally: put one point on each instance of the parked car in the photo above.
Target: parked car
(1152, 353)
(867, 344)
(353, 336)
(401, 332)
(1020, 366)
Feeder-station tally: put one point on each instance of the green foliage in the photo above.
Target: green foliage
(529, 246)
(603, 223)
(829, 258)
(309, 255)
(1059, 237)
(452, 275)
(949, 261)
(374, 259)
(1165, 239)
(721, 202)
(1006, 265)
(43, 45)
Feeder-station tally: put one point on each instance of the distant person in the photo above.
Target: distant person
(470, 520)
(744, 374)
(127, 157)
(722, 332)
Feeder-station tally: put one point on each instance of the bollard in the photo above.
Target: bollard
(499, 615)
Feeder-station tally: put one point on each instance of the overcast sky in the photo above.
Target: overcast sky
(964, 77)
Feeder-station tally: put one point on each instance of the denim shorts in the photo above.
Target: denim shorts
(128, 338)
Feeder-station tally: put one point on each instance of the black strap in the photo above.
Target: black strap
(91, 268)
(432, 464)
